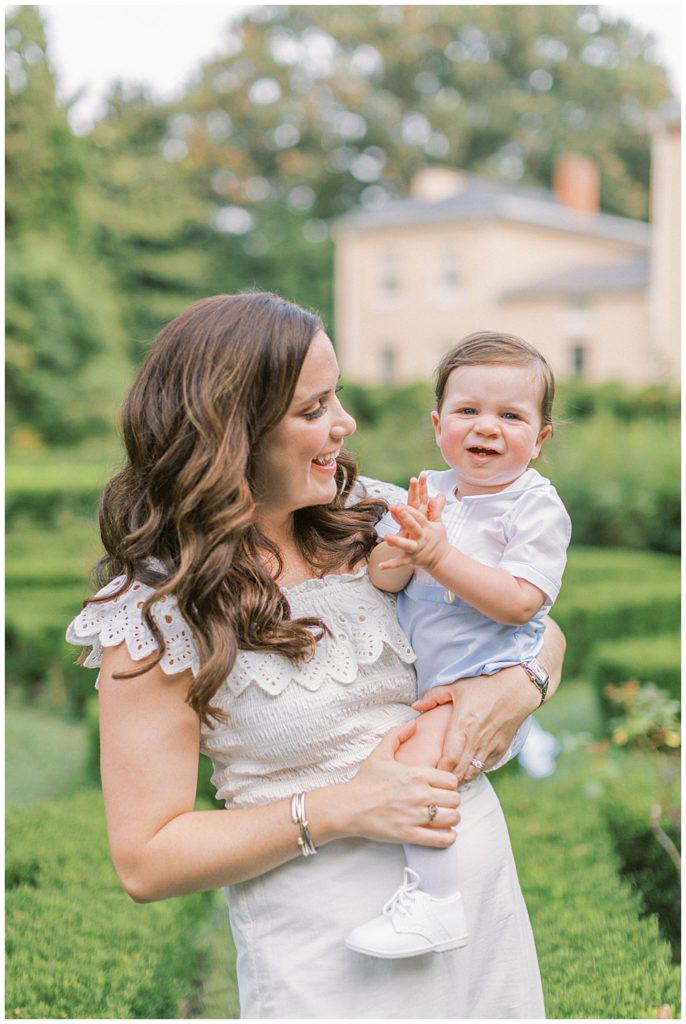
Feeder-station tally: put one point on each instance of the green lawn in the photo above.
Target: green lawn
(44, 756)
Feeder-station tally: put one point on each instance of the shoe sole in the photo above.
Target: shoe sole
(441, 947)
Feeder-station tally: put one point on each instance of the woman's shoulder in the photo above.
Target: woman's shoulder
(369, 487)
(115, 615)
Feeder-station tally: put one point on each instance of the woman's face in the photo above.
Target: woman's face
(295, 464)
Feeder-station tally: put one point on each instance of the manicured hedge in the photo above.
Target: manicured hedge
(649, 659)
(77, 946)
(41, 488)
(37, 656)
(599, 958)
(609, 593)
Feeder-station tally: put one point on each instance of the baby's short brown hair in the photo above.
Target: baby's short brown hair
(495, 347)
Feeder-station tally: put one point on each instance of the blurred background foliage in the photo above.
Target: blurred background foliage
(309, 112)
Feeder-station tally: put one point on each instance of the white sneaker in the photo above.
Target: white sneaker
(412, 923)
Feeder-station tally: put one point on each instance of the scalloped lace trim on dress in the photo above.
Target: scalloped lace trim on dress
(362, 621)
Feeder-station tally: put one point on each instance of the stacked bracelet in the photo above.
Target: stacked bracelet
(307, 847)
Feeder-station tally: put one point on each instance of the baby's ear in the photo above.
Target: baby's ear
(545, 433)
(436, 421)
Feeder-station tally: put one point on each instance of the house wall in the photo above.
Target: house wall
(665, 293)
(423, 316)
(611, 330)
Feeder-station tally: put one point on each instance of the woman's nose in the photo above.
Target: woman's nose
(344, 425)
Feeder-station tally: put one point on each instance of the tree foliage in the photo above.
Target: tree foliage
(308, 112)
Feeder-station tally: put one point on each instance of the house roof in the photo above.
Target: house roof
(483, 199)
(587, 280)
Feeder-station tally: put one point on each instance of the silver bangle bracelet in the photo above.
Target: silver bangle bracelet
(305, 842)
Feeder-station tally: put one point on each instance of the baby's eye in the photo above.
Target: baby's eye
(467, 410)
(511, 416)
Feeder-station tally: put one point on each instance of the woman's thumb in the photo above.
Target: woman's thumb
(397, 735)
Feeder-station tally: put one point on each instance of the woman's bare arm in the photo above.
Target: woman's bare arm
(488, 710)
(161, 847)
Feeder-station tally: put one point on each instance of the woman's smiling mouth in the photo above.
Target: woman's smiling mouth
(327, 462)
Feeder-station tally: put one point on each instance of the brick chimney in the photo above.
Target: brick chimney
(435, 183)
(576, 182)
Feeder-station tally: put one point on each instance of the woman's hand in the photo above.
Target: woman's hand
(488, 710)
(388, 801)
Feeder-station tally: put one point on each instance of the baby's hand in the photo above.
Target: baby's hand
(422, 537)
(418, 497)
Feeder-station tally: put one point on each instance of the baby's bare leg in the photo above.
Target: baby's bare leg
(425, 746)
(437, 869)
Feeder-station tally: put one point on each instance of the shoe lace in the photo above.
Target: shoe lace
(403, 898)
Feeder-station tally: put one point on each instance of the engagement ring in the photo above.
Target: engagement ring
(477, 764)
(432, 812)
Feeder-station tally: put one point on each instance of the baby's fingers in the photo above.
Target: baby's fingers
(435, 508)
(396, 563)
(394, 540)
(413, 492)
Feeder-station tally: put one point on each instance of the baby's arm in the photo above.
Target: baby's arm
(390, 580)
(494, 592)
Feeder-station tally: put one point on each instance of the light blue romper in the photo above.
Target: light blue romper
(524, 529)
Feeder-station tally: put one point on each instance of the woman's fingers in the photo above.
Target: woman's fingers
(390, 742)
(436, 695)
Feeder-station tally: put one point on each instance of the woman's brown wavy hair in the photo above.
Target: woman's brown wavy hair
(180, 514)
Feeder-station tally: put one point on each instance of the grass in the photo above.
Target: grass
(45, 756)
(600, 959)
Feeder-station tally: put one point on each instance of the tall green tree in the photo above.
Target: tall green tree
(314, 109)
(64, 364)
(151, 227)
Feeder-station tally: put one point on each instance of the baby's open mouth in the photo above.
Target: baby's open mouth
(483, 451)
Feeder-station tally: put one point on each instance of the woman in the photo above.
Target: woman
(238, 619)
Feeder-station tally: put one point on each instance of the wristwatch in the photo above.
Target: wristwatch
(538, 676)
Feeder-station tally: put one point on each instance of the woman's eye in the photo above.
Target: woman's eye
(316, 413)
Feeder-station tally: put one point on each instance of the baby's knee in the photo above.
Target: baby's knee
(425, 746)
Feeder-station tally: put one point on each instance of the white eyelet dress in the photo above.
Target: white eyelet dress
(294, 729)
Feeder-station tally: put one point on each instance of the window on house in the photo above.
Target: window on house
(450, 277)
(578, 360)
(388, 278)
(388, 365)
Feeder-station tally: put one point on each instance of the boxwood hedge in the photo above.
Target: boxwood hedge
(76, 946)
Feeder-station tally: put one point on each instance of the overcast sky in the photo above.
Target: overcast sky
(162, 45)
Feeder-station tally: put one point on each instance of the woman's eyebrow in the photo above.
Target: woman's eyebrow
(316, 395)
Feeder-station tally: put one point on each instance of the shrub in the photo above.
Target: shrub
(38, 660)
(609, 593)
(77, 947)
(647, 659)
(599, 958)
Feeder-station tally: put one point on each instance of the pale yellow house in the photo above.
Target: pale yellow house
(598, 294)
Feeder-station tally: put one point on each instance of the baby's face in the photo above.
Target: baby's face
(489, 427)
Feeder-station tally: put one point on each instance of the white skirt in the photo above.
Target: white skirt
(290, 924)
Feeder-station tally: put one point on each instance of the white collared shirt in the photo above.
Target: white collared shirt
(524, 529)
